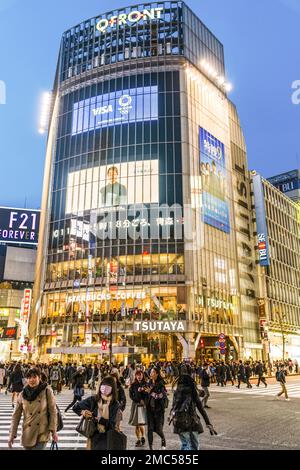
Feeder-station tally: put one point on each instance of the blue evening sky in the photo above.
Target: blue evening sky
(261, 40)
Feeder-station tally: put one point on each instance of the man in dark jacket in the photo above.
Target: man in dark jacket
(280, 377)
(184, 415)
(259, 370)
(205, 383)
(241, 374)
(248, 373)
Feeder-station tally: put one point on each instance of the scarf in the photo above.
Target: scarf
(103, 411)
(31, 394)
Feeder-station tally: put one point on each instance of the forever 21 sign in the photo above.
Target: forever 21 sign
(19, 225)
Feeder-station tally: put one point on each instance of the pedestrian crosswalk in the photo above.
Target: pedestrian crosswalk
(293, 389)
(68, 437)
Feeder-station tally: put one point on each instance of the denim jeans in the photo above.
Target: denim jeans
(189, 440)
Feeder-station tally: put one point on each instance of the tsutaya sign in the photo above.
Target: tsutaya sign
(171, 326)
(117, 295)
(124, 19)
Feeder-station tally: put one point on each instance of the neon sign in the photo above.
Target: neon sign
(132, 17)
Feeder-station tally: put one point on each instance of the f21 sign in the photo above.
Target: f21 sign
(19, 226)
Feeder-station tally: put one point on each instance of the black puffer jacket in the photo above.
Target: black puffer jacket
(186, 402)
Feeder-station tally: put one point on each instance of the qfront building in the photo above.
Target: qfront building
(146, 221)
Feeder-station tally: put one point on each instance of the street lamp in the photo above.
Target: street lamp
(280, 317)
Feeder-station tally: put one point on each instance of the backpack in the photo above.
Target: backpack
(54, 374)
(180, 417)
(278, 376)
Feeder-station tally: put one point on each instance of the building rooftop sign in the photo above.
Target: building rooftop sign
(125, 19)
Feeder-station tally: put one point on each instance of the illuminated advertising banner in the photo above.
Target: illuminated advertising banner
(118, 107)
(9, 333)
(19, 226)
(112, 186)
(215, 206)
(135, 16)
(261, 223)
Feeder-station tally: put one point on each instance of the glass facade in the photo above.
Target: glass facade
(140, 203)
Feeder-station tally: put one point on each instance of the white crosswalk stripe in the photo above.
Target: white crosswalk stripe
(68, 437)
(272, 389)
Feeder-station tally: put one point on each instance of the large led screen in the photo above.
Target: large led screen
(214, 185)
(111, 186)
(118, 107)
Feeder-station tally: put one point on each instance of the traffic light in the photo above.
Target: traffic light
(201, 343)
(104, 345)
(135, 311)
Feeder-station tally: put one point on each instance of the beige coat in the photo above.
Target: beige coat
(39, 418)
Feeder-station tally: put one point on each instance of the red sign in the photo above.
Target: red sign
(26, 306)
(9, 333)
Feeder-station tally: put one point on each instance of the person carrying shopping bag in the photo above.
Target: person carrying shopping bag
(102, 410)
(138, 413)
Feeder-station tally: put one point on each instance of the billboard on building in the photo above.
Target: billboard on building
(286, 182)
(19, 226)
(112, 186)
(117, 107)
(215, 207)
(261, 222)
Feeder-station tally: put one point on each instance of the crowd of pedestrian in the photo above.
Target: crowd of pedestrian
(33, 388)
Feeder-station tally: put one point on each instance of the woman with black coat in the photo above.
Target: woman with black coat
(187, 424)
(104, 409)
(16, 382)
(138, 396)
(156, 404)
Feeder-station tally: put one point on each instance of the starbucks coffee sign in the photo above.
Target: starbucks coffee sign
(163, 326)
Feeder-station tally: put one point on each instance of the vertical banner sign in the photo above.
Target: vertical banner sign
(261, 223)
(24, 318)
(214, 181)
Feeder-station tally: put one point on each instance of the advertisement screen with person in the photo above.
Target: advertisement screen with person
(213, 176)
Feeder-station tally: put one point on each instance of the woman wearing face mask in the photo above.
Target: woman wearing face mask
(104, 409)
(155, 404)
(37, 404)
(138, 396)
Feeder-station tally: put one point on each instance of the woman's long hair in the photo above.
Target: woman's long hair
(112, 383)
(17, 367)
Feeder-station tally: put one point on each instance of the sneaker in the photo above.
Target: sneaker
(138, 444)
(163, 445)
(287, 399)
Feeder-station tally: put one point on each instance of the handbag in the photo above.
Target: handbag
(87, 427)
(116, 440)
(54, 446)
(142, 418)
(59, 419)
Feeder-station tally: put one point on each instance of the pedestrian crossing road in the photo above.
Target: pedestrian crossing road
(293, 389)
(68, 437)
